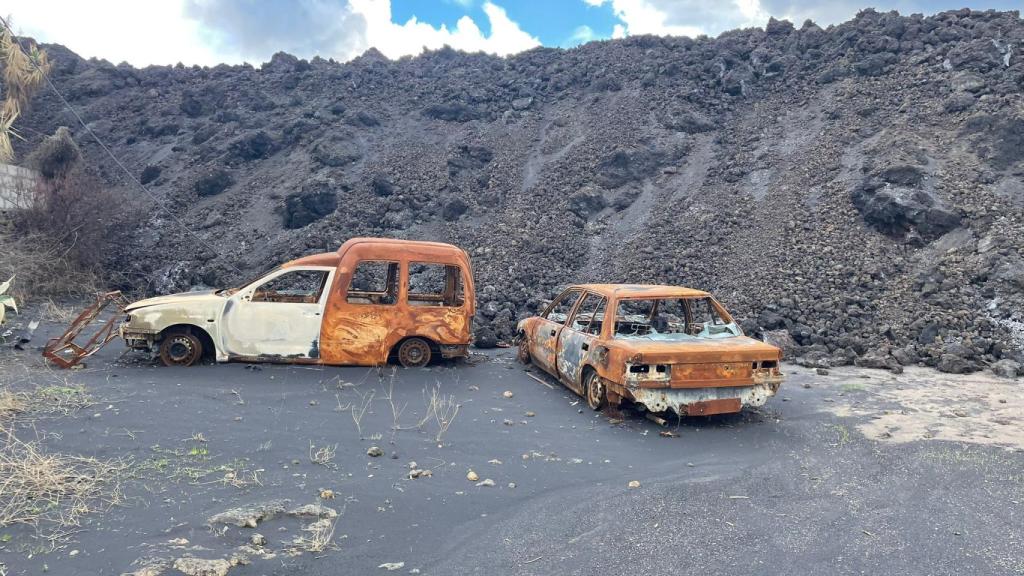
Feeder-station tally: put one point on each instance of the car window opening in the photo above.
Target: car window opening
(432, 284)
(673, 319)
(558, 311)
(590, 316)
(373, 282)
(298, 287)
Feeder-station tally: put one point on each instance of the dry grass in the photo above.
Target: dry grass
(323, 455)
(52, 492)
(444, 408)
(318, 536)
(11, 404)
(43, 268)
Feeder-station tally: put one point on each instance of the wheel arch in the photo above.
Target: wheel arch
(393, 349)
(209, 347)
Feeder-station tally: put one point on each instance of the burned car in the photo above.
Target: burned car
(372, 301)
(662, 347)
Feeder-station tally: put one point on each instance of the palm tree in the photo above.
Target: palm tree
(22, 72)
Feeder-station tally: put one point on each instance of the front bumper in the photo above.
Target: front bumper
(137, 338)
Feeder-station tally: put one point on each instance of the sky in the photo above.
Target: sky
(209, 32)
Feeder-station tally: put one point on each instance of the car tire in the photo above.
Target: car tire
(180, 349)
(523, 350)
(594, 391)
(414, 353)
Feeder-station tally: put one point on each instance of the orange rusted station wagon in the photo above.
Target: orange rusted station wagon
(371, 301)
(663, 347)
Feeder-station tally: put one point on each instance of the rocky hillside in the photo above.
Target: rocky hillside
(859, 187)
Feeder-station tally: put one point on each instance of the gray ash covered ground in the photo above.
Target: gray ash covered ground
(808, 484)
(859, 187)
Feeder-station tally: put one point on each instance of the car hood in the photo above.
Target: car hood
(184, 298)
(736, 348)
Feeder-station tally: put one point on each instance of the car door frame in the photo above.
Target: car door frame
(574, 347)
(305, 351)
(544, 340)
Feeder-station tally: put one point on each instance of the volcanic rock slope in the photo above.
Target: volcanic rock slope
(859, 186)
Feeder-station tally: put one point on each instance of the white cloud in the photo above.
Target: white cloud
(581, 35)
(396, 40)
(209, 32)
(682, 17)
(117, 30)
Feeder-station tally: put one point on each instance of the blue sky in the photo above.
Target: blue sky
(208, 32)
(553, 22)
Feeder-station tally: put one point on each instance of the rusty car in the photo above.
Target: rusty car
(665, 348)
(371, 301)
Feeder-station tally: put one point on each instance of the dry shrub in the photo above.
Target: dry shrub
(79, 212)
(51, 492)
(43, 268)
(60, 241)
(56, 155)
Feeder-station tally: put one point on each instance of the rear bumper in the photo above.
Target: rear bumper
(454, 350)
(704, 401)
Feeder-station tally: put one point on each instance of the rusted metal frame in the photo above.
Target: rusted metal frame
(64, 352)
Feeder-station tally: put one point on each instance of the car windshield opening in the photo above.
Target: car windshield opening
(673, 319)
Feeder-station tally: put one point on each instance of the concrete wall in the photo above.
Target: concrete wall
(17, 185)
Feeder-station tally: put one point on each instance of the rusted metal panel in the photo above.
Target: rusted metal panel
(713, 374)
(364, 334)
(709, 407)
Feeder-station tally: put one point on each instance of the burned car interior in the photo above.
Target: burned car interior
(669, 319)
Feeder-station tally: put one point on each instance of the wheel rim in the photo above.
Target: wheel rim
(414, 353)
(595, 391)
(181, 350)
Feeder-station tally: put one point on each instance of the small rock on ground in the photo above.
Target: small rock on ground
(201, 567)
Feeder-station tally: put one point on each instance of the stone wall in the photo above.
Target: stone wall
(17, 185)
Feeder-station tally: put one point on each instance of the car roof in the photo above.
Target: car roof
(417, 247)
(642, 290)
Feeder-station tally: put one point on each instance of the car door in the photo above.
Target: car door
(544, 339)
(577, 337)
(278, 316)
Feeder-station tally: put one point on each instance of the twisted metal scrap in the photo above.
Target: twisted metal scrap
(64, 352)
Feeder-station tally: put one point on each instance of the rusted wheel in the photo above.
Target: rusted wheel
(414, 353)
(594, 390)
(523, 351)
(180, 349)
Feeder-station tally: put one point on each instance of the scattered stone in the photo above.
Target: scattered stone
(392, 566)
(819, 372)
(374, 451)
(487, 482)
(250, 516)
(316, 509)
(418, 473)
(634, 484)
(530, 414)
(507, 394)
(472, 476)
(200, 567)
(258, 540)
(494, 461)
(178, 542)
(327, 494)
(1006, 368)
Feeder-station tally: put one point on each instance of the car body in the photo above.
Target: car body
(669, 348)
(370, 301)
